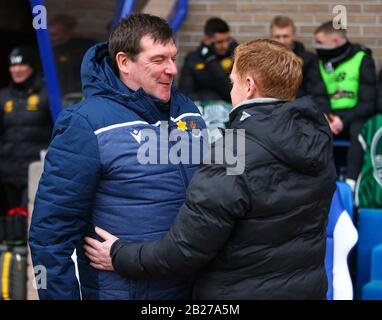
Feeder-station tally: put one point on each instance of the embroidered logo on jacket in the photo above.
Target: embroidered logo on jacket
(136, 135)
(8, 106)
(32, 102)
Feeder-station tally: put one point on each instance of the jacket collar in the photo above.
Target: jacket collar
(32, 85)
(251, 103)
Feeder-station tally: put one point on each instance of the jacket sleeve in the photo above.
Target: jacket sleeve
(46, 106)
(308, 65)
(214, 202)
(2, 105)
(367, 94)
(63, 202)
(316, 87)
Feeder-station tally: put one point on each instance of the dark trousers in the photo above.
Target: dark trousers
(354, 156)
(17, 196)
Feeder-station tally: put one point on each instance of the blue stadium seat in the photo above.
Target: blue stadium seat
(373, 289)
(369, 257)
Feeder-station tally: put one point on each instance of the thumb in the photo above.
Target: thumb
(103, 233)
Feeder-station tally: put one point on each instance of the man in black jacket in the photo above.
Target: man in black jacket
(283, 30)
(25, 124)
(344, 88)
(205, 73)
(260, 234)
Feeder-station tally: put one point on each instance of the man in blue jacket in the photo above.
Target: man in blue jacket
(93, 174)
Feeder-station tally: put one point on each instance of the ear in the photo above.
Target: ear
(206, 40)
(122, 62)
(251, 88)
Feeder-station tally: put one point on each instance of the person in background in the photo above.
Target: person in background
(283, 30)
(25, 124)
(344, 87)
(368, 193)
(205, 73)
(258, 233)
(69, 50)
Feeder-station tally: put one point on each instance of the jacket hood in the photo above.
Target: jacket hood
(295, 132)
(32, 84)
(99, 79)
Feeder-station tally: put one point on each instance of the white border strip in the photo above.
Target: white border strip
(132, 123)
(119, 125)
(185, 115)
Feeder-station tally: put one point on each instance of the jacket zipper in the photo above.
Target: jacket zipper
(183, 175)
(181, 168)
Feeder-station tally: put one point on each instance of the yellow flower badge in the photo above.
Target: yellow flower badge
(192, 124)
(182, 126)
(8, 107)
(226, 64)
(33, 100)
(200, 66)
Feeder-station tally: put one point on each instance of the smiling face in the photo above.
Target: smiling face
(153, 69)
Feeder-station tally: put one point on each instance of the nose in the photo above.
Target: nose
(171, 68)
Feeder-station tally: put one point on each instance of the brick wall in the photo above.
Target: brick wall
(250, 19)
(92, 15)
